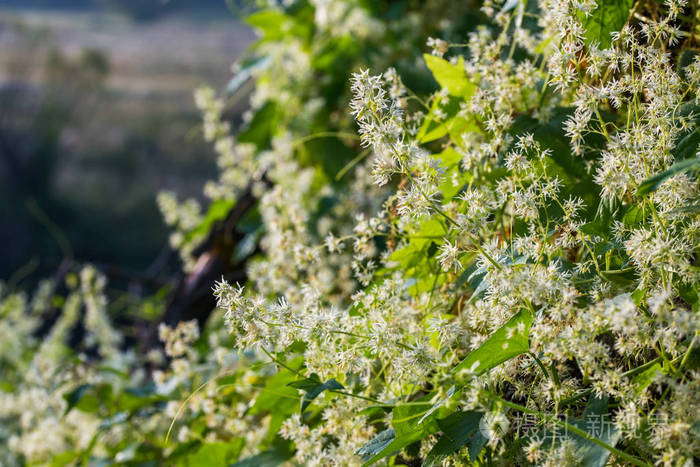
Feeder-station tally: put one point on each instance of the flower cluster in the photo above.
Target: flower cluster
(531, 211)
(519, 242)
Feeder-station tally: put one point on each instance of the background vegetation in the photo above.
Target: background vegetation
(437, 233)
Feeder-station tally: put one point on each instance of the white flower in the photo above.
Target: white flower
(449, 257)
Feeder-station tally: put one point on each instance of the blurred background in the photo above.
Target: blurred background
(96, 117)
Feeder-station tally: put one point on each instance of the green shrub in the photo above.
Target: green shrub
(501, 268)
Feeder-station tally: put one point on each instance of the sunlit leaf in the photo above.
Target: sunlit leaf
(509, 341)
(610, 16)
(449, 76)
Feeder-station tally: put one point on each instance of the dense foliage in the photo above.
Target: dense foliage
(499, 268)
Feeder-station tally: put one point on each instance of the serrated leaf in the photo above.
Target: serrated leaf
(651, 184)
(458, 429)
(313, 387)
(509, 341)
(610, 16)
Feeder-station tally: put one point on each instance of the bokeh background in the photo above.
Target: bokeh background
(96, 117)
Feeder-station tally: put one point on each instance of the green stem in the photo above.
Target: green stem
(351, 164)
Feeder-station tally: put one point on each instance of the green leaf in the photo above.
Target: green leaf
(376, 444)
(409, 427)
(271, 458)
(429, 230)
(65, 458)
(261, 127)
(448, 157)
(313, 387)
(76, 395)
(88, 397)
(415, 251)
(218, 210)
(685, 59)
(638, 296)
(687, 209)
(551, 135)
(407, 256)
(330, 154)
(695, 429)
(182, 450)
(450, 160)
(277, 398)
(651, 184)
(219, 453)
(633, 217)
(458, 429)
(690, 293)
(437, 405)
(454, 79)
(689, 138)
(509, 341)
(453, 124)
(597, 227)
(449, 76)
(478, 281)
(609, 17)
(136, 398)
(597, 423)
(645, 378)
(270, 22)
